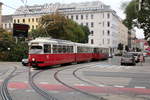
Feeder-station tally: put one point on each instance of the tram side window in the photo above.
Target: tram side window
(70, 49)
(55, 49)
(47, 48)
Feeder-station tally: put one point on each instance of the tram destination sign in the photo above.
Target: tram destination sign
(20, 30)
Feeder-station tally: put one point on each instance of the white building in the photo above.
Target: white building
(106, 27)
(7, 23)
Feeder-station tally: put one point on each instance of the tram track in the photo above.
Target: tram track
(4, 90)
(37, 89)
(76, 89)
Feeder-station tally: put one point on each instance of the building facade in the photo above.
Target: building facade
(1, 14)
(7, 22)
(105, 26)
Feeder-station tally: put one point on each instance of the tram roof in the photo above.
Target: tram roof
(51, 40)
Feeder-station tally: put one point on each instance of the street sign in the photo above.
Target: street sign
(20, 30)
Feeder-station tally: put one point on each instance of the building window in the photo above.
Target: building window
(76, 17)
(92, 32)
(108, 32)
(37, 19)
(18, 21)
(14, 21)
(92, 16)
(86, 16)
(72, 17)
(92, 24)
(103, 32)
(87, 23)
(92, 42)
(29, 20)
(23, 20)
(103, 41)
(5, 26)
(81, 16)
(32, 19)
(36, 26)
(108, 23)
(103, 24)
(108, 15)
(103, 15)
(9, 25)
(32, 26)
(108, 41)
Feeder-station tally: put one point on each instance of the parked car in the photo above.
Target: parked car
(25, 62)
(128, 59)
(136, 55)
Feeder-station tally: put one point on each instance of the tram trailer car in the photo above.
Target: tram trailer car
(47, 52)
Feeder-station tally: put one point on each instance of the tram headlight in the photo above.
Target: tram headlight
(33, 59)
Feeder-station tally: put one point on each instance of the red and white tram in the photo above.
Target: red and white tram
(47, 52)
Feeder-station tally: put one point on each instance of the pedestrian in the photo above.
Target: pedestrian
(142, 59)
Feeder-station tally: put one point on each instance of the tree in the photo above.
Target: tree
(9, 50)
(131, 11)
(142, 16)
(59, 27)
(87, 33)
(144, 19)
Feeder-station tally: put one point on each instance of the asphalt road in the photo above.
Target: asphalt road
(103, 79)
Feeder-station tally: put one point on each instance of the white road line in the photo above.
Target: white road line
(12, 89)
(32, 69)
(79, 84)
(119, 86)
(139, 87)
(25, 81)
(101, 85)
(54, 91)
(43, 82)
(29, 90)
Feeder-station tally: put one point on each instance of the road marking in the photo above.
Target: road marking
(119, 86)
(43, 82)
(12, 89)
(54, 92)
(80, 85)
(32, 69)
(29, 90)
(101, 85)
(140, 87)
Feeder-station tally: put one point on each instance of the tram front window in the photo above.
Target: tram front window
(35, 50)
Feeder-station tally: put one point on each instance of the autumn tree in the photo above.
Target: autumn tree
(58, 26)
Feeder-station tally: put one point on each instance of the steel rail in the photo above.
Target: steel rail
(40, 91)
(4, 90)
(76, 89)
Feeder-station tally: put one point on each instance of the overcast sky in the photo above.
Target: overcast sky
(115, 5)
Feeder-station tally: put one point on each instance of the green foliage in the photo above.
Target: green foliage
(143, 16)
(59, 27)
(144, 19)
(9, 50)
(131, 12)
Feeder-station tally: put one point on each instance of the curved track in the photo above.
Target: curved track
(41, 92)
(4, 90)
(76, 89)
